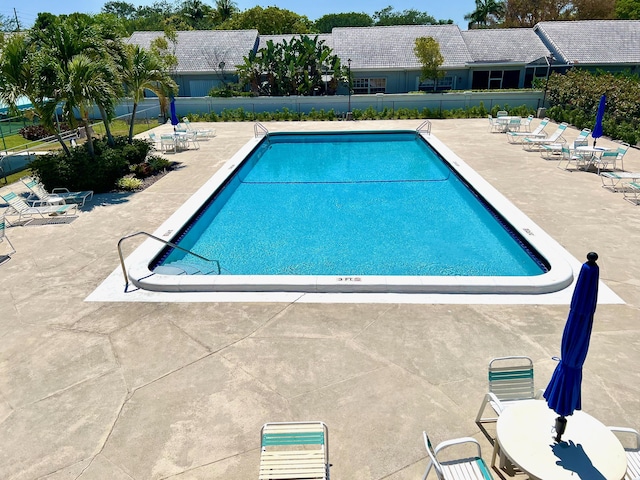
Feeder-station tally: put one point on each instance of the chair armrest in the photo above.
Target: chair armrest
(629, 431)
(60, 190)
(458, 441)
(538, 394)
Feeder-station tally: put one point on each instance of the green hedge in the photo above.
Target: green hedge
(574, 98)
(370, 113)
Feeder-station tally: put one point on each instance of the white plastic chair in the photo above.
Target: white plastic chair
(510, 380)
(633, 453)
(167, 142)
(469, 468)
(3, 237)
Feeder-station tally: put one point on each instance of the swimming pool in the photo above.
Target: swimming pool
(374, 212)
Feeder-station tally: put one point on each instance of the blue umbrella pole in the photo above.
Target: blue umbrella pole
(561, 426)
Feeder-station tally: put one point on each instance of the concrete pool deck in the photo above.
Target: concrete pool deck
(151, 390)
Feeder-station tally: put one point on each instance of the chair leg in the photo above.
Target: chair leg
(426, 472)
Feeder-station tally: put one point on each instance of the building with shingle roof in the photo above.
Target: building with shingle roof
(204, 57)
(609, 44)
(505, 57)
(382, 59)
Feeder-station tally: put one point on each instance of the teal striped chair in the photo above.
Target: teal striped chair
(510, 380)
(294, 450)
(632, 450)
(469, 468)
(3, 237)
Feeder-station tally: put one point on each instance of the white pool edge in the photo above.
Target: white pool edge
(557, 278)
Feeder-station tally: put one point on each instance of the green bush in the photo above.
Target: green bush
(79, 171)
(129, 183)
(574, 98)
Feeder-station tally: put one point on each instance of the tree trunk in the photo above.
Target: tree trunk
(64, 145)
(107, 126)
(133, 116)
(87, 129)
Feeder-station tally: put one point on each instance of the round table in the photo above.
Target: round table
(588, 450)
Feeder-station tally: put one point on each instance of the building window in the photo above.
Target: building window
(445, 83)
(369, 85)
(495, 79)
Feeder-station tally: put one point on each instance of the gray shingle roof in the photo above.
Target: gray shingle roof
(328, 39)
(202, 50)
(392, 47)
(504, 45)
(594, 41)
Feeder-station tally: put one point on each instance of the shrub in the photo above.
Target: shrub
(158, 163)
(79, 171)
(34, 132)
(129, 183)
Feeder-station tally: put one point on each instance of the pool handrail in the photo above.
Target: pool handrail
(166, 242)
(424, 127)
(259, 129)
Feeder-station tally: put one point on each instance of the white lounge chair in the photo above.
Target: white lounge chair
(554, 149)
(510, 380)
(518, 137)
(57, 195)
(3, 255)
(615, 181)
(294, 450)
(20, 208)
(202, 132)
(535, 143)
(633, 452)
(468, 468)
(631, 192)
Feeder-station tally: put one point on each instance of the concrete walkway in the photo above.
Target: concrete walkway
(154, 390)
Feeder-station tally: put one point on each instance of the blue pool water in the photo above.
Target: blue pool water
(351, 204)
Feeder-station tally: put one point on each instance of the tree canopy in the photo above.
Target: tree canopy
(326, 23)
(427, 49)
(269, 21)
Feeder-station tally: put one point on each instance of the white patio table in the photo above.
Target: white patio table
(588, 450)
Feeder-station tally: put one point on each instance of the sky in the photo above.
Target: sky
(27, 11)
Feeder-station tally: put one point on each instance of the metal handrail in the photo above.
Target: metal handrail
(421, 128)
(263, 130)
(166, 242)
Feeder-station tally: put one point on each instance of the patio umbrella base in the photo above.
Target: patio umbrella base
(561, 426)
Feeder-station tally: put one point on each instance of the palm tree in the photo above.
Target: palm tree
(225, 9)
(88, 82)
(144, 70)
(487, 12)
(21, 73)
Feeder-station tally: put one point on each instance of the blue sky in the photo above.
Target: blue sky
(27, 11)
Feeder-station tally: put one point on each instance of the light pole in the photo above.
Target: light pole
(349, 114)
(221, 65)
(325, 71)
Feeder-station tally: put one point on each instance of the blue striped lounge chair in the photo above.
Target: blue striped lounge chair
(538, 132)
(535, 143)
(469, 468)
(17, 206)
(3, 237)
(40, 195)
(294, 450)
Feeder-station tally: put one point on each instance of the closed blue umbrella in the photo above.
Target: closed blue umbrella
(174, 117)
(597, 129)
(563, 394)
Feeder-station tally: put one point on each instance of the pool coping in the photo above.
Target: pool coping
(560, 275)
